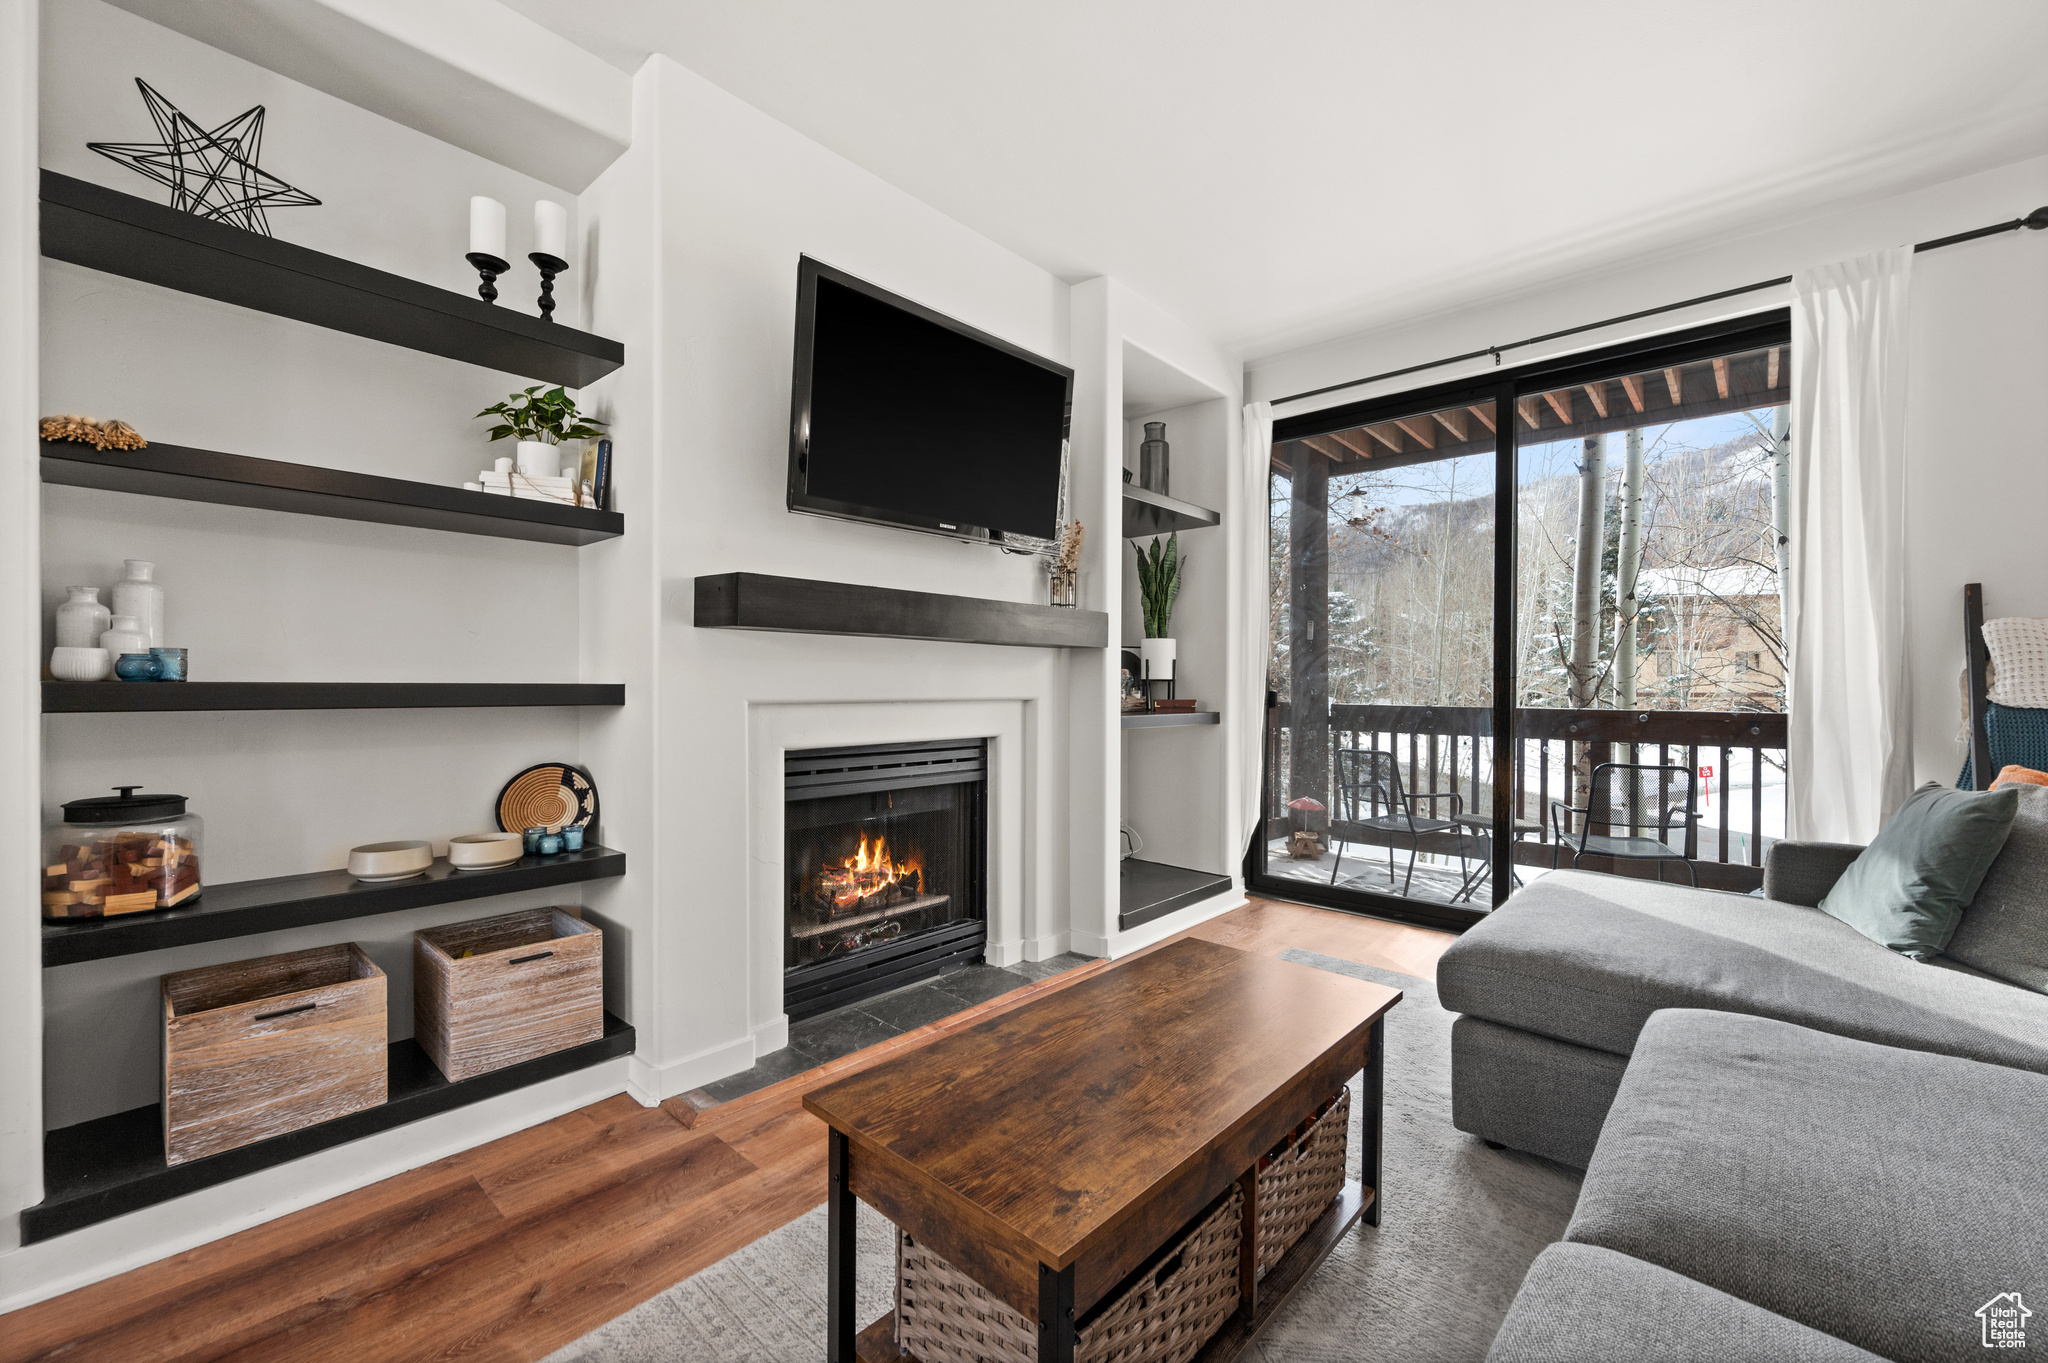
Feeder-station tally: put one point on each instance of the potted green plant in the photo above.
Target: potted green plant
(540, 419)
(1159, 572)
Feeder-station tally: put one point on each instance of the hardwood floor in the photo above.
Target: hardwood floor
(511, 1250)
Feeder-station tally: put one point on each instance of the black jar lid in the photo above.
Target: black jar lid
(127, 807)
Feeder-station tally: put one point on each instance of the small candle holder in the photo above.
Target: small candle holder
(572, 838)
(549, 266)
(489, 267)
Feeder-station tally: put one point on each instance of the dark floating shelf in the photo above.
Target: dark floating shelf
(191, 475)
(1146, 890)
(108, 697)
(250, 906)
(102, 1169)
(1170, 721)
(802, 606)
(103, 229)
(1155, 513)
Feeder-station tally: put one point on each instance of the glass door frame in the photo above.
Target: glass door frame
(1501, 387)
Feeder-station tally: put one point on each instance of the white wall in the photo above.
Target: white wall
(1979, 346)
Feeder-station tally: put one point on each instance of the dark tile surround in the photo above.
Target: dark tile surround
(843, 1031)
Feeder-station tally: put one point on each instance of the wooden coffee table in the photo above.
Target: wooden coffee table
(1049, 1151)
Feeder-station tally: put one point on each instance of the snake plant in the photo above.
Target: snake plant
(1159, 571)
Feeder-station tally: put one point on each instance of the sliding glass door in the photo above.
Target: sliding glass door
(1382, 659)
(1527, 622)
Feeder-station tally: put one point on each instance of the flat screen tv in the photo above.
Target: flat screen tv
(903, 417)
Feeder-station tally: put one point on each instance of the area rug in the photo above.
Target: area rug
(1430, 1283)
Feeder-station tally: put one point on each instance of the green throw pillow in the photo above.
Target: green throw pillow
(1908, 889)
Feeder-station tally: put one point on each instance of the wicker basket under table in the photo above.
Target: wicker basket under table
(1164, 1314)
(1297, 1183)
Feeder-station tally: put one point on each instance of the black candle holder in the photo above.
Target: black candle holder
(490, 267)
(549, 266)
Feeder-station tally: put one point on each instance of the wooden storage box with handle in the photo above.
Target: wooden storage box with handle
(496, 991)
(254, 1049)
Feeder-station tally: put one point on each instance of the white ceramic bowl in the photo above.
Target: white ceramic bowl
(480, 851)
(80, 664)
(389, 860)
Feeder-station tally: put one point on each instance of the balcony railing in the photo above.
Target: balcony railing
(1738, 758)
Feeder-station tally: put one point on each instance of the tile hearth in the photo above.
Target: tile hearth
(815, 1040)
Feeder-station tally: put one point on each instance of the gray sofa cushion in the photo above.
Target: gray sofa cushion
(2004, 932)
(1581, 1302)
(1587, 958)
(1878, 1195)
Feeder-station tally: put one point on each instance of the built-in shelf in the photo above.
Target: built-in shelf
(803, 606)
(115, 1165)
(1182, 720)
(242, 907)
(271, 485)
(103, 229)
(1155, 513)
(106, 697)
(1149, 889)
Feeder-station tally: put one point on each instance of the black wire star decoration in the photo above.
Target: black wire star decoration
(212, 173)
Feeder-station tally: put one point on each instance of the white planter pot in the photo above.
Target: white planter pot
(539, 459)
(1156, 657)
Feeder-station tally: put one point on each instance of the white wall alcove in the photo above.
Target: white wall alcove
(774, 729)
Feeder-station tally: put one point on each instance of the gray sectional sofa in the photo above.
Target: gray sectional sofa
(1798, 1144)
(1763, 1191)
(1555, 986)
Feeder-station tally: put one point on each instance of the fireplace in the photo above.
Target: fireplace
(885, 855)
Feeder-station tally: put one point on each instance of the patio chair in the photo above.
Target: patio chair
(1369, 782)
(1628, 800)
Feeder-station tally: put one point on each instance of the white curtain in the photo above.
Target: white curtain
(1252, 584)
(1845, 605)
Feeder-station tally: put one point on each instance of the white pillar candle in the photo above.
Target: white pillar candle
(551, 230)
(486, 227)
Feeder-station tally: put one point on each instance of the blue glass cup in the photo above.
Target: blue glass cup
(550, 844)
(530, 840)
(135, 667)
(572, 839)
(170, 664)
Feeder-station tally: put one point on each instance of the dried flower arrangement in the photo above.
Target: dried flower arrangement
(113, 434)
(1070, 547)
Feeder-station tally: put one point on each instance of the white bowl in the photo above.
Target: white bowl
(481, 851)
(80, 664)
(390, 860)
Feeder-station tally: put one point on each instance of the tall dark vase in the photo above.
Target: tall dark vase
(1152, 459)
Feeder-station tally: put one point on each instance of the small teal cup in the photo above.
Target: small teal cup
(550, 844)
(136, 667)
(170, 664)
(572, 839)
(530, 839)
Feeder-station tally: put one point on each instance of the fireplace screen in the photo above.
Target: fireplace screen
(883, 861)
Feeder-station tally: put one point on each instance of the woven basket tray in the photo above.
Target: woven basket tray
(1165, 1316)
(1297, 1183)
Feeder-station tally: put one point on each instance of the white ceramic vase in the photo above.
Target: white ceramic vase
(138, 595)
(539, 459)
(1156, 657)
(126, 636)
(81, 620)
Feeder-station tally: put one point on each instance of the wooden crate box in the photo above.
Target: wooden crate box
(257, 1048)
(496, 991)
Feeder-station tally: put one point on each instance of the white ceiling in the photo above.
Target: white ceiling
(1283, 172)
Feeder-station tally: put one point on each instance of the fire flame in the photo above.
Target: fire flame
(868, 873)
